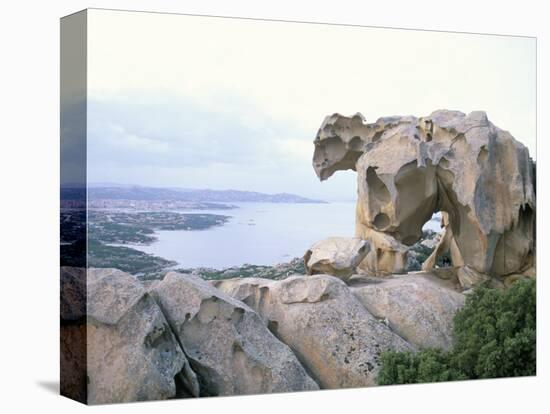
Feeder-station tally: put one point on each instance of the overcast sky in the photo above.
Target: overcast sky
(228, 103)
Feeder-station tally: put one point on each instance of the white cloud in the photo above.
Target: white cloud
(254, 90)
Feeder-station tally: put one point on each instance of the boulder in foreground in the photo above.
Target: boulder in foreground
(336, 256)
(420, 307)
(132, 354)
(330, 331)
(227, 343)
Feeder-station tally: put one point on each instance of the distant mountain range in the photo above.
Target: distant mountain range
(124, 192)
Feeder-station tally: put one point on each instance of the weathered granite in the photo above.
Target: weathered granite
(408, 168)
(336, 256)
(227, 343)
(335, 337)
(132, 354)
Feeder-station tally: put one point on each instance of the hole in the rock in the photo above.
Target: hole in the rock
(356, 144)
(377, 187)
(482, 156)
(526, 219)
(444, 260)
(381, 221)
(434, 223)
(424, 247)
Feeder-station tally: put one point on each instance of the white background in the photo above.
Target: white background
(29, 177)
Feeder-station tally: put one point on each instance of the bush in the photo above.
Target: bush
(430, 365)
(495, 333)
(494, 336)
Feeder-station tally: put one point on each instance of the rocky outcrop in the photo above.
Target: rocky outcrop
(184, 336)
(336, 256)
(408, 168)
(132, 354)
(386, 256)
(227, 343)
(420, 307)
(330, 331)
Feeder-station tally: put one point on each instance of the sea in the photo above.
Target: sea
(258, 233)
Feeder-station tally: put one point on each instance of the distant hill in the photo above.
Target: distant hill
(115, 192)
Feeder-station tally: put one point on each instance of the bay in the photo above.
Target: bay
(257, 233)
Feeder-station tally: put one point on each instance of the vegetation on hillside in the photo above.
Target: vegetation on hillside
(140, 227)
(277, 272)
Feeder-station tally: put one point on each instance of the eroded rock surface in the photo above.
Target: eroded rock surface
(330, 331)
(336, 256)
(408, 168)
(227, 343)
(189, 337)
(420, 307)
(132, 354)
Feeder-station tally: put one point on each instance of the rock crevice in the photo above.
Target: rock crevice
(228, 344)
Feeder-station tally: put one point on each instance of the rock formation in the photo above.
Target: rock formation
(227, 343)
(419, 307)
(132, 354)
(337, 256)
(335, 337)
(184, 336)
(408, 168)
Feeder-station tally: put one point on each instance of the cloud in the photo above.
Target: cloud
(302, 72)
(148, 130)
(170, 141)
(240, 107)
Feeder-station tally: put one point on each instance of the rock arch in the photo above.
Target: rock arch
(409, 167)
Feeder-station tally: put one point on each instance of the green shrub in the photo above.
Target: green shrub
(429, 365)
(494, 336)
(495, 333)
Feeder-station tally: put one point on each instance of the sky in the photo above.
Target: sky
(204, 102)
